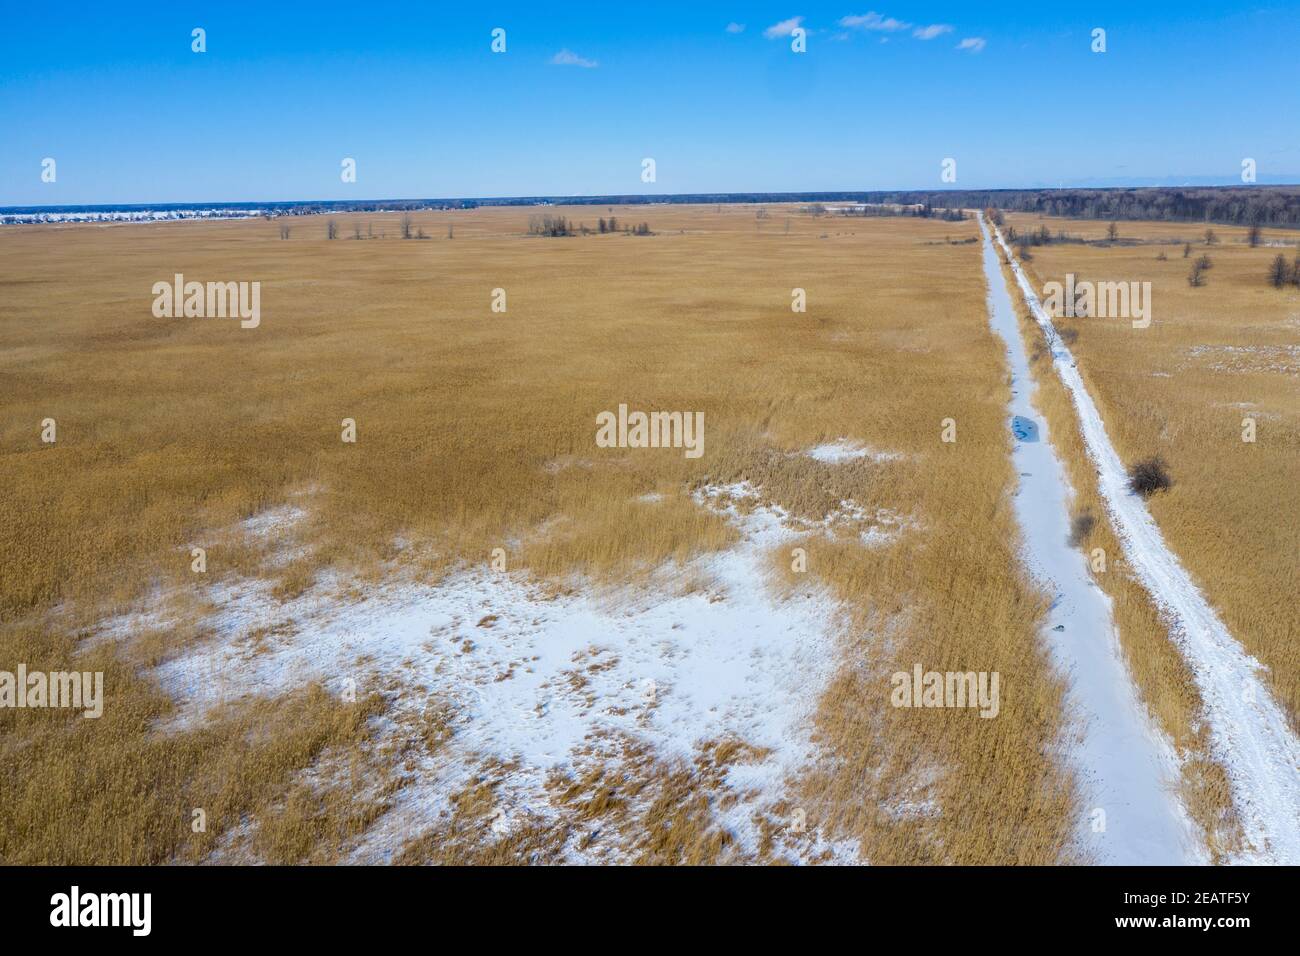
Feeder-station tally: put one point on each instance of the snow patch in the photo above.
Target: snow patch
(544, 684)
(843, 449)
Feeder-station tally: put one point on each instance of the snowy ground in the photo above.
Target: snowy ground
(550, 684)
(1278, 359)
(1249, 733)
(842, 450)
(1129, 772)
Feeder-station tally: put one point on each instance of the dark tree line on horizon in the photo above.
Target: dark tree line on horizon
(1275, 206)
(1230, 205)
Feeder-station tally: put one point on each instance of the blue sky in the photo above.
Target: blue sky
(414, 94)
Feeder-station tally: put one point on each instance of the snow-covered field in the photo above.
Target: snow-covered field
(547, 684)
(1250, 735)
(1129, 772)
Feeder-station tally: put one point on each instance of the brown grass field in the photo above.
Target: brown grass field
(475, 430)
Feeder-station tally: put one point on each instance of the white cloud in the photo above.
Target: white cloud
(932, 31)
(783, 29)
(734, 27)
(569, 58)
(872, 21)
(974, 44)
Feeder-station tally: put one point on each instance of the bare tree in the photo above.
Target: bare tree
(1279, 273)
(331, 230)
(1210, 237)
(1112, 231)
(406, 225)
(1253, 235)
(284, 230)
(547, 225)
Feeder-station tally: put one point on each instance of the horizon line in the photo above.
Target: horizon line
(741, 196)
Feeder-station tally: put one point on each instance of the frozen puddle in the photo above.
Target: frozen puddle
(1025, 429)
(559, 685)
(1128, 771)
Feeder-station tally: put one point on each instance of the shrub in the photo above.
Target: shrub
(1081, 526)
(1279, 273)
(1149, 476)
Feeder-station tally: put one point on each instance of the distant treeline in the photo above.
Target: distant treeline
(1230, 205)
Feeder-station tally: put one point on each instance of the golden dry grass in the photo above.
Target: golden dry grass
(1213, 356)
(475, 431)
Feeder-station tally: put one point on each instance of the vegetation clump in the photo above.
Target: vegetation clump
(1148, 476)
